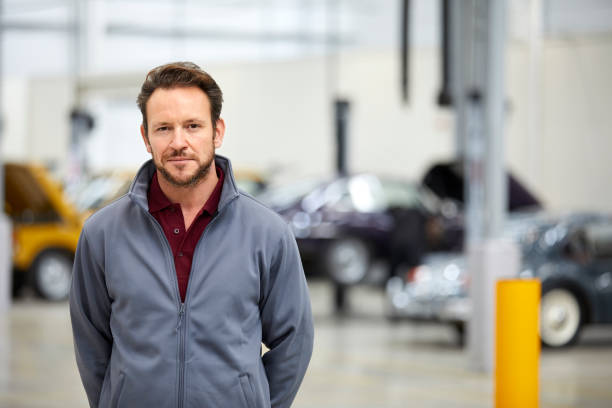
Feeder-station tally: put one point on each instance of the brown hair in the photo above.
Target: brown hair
(180, 74)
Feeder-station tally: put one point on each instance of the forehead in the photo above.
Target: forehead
(178, 102)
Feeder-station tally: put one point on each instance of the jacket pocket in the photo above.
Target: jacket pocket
(247, 390)
(117, 394)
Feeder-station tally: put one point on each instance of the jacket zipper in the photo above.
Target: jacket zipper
(180, 327)
(182, 314)
(181, 333)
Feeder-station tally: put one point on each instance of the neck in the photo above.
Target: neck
(190, 197)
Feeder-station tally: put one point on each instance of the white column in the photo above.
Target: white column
(5, 259)
(534, 129)
(480, 109)
(89, 47)
(5, 225)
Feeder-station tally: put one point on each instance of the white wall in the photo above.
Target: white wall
(568, 163)
(15, 119)
(279, 113)
(386, 135)
(36, 118)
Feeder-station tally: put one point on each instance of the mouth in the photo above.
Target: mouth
(179, 160)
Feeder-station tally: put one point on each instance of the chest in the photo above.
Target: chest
(225, 271)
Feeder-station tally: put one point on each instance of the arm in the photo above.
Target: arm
(90, 314)
(287, 324)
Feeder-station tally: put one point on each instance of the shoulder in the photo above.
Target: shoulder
(256, 212)
(112, 213)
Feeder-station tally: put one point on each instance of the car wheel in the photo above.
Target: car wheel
(52, 275)
(560, 317)
(347, 261)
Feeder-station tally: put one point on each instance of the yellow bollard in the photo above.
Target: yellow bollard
(517, 343)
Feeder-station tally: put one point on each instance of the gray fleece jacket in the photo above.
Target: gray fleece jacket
(137, 345)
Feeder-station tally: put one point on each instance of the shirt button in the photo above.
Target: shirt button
(176, 231)
(180, 254)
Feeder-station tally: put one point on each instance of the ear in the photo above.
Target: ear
(145, 139)
(219, 133)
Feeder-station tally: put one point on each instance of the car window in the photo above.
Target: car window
(577, 247)
(96, 192)
(285, 195)
(26, 201)
(337, 196)
(599, 237)
(398, 194)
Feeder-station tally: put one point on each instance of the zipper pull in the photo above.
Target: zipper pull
(180, 316)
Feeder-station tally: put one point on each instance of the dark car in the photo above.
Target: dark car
(570, 255)
(346, 223)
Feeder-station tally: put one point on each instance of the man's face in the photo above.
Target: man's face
(180, 136)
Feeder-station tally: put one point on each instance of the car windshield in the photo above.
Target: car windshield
(97, 191)
(400, 194)
(285, 195)
(26, 201)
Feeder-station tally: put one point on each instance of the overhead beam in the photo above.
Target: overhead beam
(37, 26)
(187, 33)
(170, 32)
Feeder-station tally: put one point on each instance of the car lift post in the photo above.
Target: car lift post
(341, 123)
(5, 226)
(495, 319)
(480, 103)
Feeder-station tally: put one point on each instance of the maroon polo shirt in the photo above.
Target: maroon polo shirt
(170, 217)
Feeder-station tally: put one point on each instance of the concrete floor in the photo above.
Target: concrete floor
(359, 361)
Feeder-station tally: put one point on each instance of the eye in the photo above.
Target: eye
(194, 126)
(162, 129)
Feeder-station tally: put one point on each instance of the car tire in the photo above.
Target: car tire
(19, 282)
(561, 317)
(51, 275)
(347, 261)
(393, 318)
(460, 333)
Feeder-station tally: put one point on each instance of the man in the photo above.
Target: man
(177, 283)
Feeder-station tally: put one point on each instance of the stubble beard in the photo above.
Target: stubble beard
(200, 173)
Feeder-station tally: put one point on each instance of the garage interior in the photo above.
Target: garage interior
(421, 151)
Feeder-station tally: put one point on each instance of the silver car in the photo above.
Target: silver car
(571, 255)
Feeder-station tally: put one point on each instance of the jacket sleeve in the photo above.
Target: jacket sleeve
(90, 314)
(287, 323)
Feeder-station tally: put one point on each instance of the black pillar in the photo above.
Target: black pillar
(445, 95)
(405, 50)
(342, 111)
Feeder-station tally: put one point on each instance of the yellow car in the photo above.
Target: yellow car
(46, 229)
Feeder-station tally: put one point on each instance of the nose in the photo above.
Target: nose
(179, 139)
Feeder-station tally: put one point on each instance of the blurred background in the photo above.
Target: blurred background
(398, 138)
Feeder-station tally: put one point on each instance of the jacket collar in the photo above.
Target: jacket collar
(140, 185)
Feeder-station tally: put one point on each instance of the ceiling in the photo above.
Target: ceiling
(69, 36)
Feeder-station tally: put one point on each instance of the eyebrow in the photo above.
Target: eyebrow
(157, 124)
(190, 120)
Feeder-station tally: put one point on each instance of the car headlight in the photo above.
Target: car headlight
(419, 274)
(452, 272)
(526, 273)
